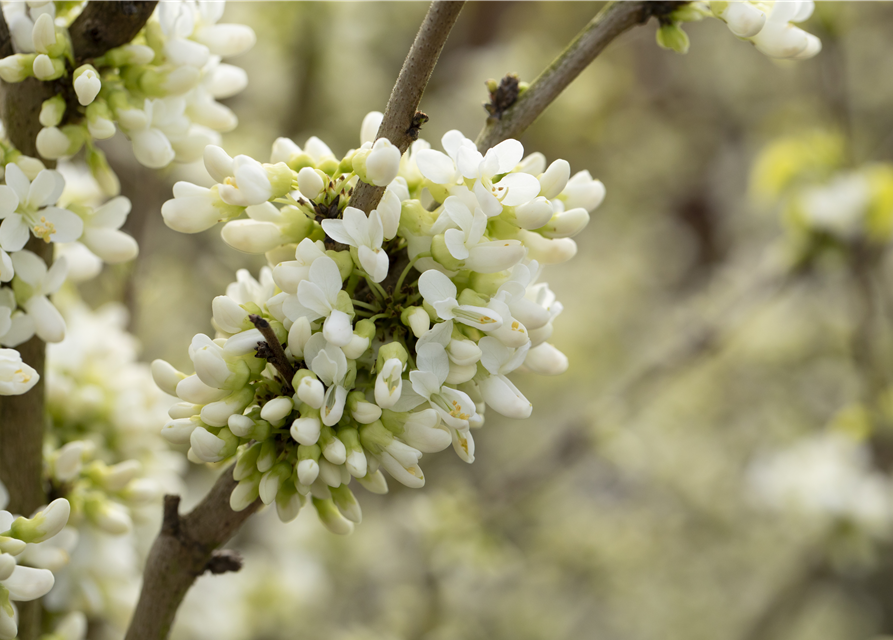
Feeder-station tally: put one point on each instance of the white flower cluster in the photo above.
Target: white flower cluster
(337, 361)
(26, 559)
(28, 208)
(161, 89)
(767, 24)
(105, 455)
(827, 476)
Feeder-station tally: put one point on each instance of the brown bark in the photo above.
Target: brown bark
(400, 124)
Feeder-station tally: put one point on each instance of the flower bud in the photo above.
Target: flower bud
(311, 391)
(44, 524)
(17, 67)
(374, 482)
(533, 214)
(417, 320)
(277, 409)
(389, 383)
(43, 34)
(332, 447)
(371, 125)
(47, 68)
(246, 465)
(288, 503)
(554, 179)
(310, 183)
(272, 480)
(206, 445)
(305, 430)
(347, 503)
(245, 493)
(86, 84)
(52, 111)
(179, 431)
(252, 236)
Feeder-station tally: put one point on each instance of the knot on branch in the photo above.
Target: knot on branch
(502, 95)
(418, 120)
(224, 561)
(662, 9)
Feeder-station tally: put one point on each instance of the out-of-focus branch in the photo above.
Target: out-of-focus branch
(105, 25)
(102, 26)
(185, 548)
(615, 19)
(400, 124)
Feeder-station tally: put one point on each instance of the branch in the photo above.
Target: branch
(613, 20)
(272, 351)
(185, 548)
(105, 25)
(401, 124)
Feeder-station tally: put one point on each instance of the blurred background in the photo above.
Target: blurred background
(715, 463)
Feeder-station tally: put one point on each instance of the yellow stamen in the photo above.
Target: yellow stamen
(45, 229)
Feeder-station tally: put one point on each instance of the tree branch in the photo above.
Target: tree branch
(105, 25)
(613, 20)
(185, 548)
(400, 124)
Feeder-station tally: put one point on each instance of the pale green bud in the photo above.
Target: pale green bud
(17, 67)
(671, 36)
(331, 517)
(44, 525)
(389, 351)
(52, 111)
(247, 462)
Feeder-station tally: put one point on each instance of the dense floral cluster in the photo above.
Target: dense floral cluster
(105, 456)
(28, 208)
(371, 339)
(767, 24)
(161, 89)
(27, 559)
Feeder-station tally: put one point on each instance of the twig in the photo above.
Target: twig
(185, 548)
(274, 353)
(610, 22)
(105, 25)
(401, 124)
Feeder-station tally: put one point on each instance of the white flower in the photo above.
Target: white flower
(389, 383)
(32, 271)
(317, 298)
(512, 190)
(329, 363)
(366, 234)
(371, 125)
(243, 180)
(440, 292)
(382, 163)
(743, 18)
(499, 392)
(26, 207)
(288, 275)
(780, 39)
(465, 243)
(151, 146)
(16, 377)
(87, 85)
(454, 406)
(102, 233)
